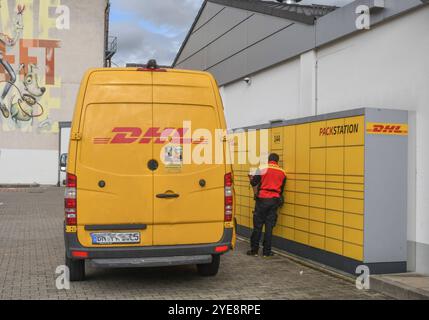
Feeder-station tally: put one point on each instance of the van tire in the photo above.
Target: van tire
(209, 269)
(76, 268)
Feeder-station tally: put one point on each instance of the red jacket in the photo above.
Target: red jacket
(270, 180)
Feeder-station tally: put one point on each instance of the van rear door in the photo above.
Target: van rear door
(189, 197)
(115, 186)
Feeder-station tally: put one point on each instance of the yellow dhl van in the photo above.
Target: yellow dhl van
(124, 205)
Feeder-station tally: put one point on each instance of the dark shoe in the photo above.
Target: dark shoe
(4, 111)
(268, 255)
(252, 253)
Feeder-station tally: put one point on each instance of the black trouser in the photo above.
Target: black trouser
(265, 214)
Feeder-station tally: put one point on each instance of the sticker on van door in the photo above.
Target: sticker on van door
(173, 156)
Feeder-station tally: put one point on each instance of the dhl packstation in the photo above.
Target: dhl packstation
(346, 192)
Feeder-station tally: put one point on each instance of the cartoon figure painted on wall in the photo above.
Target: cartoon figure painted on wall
(27, 82)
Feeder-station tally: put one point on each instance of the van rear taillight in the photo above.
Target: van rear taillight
(228, 197)
(70, 200)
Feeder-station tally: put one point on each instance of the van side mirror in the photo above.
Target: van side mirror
(63, 162)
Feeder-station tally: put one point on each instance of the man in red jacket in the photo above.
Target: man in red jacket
(270, 182)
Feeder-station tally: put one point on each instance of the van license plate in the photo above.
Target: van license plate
(115, 238)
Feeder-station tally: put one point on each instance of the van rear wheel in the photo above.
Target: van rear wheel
(76, 268)
(209, 269)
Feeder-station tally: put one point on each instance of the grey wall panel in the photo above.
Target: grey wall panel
(227, 20)
(342, 21)
(291, 41)
(196, 62)
(210, 10)
(228, 45)
(260, 26)
(235, 66)
(386, 160)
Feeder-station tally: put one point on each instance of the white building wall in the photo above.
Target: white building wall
(275, 91)
(386, 67)
(28, 166)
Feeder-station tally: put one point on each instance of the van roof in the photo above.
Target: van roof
(91, 70)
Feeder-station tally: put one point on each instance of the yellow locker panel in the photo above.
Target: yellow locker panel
(288, 209)
(289, 222)
(318, 191)
(334, 192)
(353, 236)
(303, 148)
(317, 228)
(317, 241)
(334, 138)
(335, 161)
(302, 199)
(317, 134)
(353, 251)
(334, 178)
(334, 246)
(354, 159)
(301, 237)
(252, 205)
(334, 217)
(318, 162)
(335, 185)
(302, 176)
(302, 186)
(289, 153)
(277, 231)
(358, 135)
(290, 197)
(354, 194)
(302, 224)
(334, 203)
(354, 221)
(290, 184)
(289, 233)
(335, 232)
(317, 214)
(354, 187)
(356, 180)
(354, 206)
(317, 201)
(318, 184)
(302, 211)
(276, 139)
(245, 211)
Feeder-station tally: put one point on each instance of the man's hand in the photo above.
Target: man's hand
(21, 9)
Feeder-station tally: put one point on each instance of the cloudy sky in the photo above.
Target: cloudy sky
(156, 28)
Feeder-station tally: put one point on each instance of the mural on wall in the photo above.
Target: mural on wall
(28, 79)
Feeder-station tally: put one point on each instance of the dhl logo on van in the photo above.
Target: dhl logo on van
(129, 135)
(387, 129)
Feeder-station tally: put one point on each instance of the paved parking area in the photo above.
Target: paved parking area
(32, 246)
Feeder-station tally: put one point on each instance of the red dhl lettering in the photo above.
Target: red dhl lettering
(388, 129)
(130, 135)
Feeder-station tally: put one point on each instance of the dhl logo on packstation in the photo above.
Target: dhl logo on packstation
(387, 129)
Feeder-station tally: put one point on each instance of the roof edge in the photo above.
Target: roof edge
(256, 7)
(191, 29)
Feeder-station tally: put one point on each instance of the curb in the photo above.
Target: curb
(19, 186)
(397, 290)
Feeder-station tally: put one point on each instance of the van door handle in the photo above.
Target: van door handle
(167, 196)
